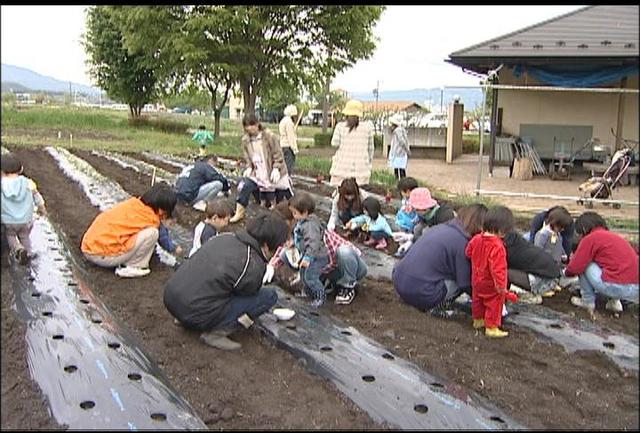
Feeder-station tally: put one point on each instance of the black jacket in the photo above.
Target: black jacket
(524, 256)
(228, 265)
(201, 173)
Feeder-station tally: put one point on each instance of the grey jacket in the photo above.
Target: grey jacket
(308, 236)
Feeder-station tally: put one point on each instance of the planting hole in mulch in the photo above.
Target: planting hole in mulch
(70, 368)
(87, 404)
(388, 356)
(368, 378)
(158, 417)
(134, 376)
(292, 327)
(97, 321)
(345, 332)
(84, 301)
(421, 408)
(36, 294)
(113, 345)
(47, 313)
(555, 326)
(437, 385)
(326, 348)
(609, 345)
(497, 419)
(58, 337)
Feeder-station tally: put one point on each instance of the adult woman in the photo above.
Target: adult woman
(399, 152)
(126, 234)
(435, 270)
(288, 138)
(605, 263)
(220, 288)
(266, 171)
(346, 203)
(354, 140)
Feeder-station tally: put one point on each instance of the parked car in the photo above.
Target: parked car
(182, 110)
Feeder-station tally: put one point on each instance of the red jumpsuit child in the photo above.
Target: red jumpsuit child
(488, 282)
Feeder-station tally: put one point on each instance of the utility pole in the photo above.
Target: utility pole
(441, 98)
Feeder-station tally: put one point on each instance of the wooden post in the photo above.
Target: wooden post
(619, 125)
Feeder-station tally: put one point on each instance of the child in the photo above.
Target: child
(203, 138)
(430, 212)
(19, 198)
(489, 271)
(345, 269)
(218, 213)
(407, 217)
(308, 237)
(399, 152)
(164, 238)
(549, 238)
(373, 222)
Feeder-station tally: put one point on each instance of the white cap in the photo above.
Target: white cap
(290, 110)
(396, 119)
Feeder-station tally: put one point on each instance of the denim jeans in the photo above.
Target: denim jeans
(253, 306)
(208, 191)
(591, 282)
(311, 277)
(289, 159)
(248, 188)
(350, 268)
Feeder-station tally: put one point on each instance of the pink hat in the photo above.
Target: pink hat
(420, 199)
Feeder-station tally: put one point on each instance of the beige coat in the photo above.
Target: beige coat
(272, 152)
(354, 156)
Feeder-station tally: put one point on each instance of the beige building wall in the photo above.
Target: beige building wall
(599, 110)
(236, 107)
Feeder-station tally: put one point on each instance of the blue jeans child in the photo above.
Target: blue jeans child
(311, 279)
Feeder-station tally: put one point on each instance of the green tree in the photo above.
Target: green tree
(186, 52)
(124, 75)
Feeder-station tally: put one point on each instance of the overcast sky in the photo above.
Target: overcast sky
(413, 42)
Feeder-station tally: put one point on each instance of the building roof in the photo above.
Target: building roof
(602, 33)
(390, 105)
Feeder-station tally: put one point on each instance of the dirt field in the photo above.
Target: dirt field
(261, 386)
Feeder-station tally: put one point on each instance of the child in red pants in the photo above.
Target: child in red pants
(489, 271)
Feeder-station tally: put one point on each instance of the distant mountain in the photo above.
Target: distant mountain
(426, 97)
(37, 82)
(9, 86)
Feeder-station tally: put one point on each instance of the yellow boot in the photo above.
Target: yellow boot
(240, 211)
(478, 323)
(495, 332)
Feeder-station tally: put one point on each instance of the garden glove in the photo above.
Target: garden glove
(268, 274)
(275, 175)
(331, 225)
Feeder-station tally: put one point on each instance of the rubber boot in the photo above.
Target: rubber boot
(495, 332)
(219, 339)
(478, 323)
(239, 215)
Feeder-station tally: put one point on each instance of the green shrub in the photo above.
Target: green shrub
(159, 124)
(322, 140)
(377, 141)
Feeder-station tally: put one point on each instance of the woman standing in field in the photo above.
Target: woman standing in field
(354, 140)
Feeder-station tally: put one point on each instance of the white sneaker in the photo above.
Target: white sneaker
(578, 302)
(201, 206)
(614, 305)
(517, 289)
(529, 298)
(131, 272)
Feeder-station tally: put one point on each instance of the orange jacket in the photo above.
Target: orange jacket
(114, 231)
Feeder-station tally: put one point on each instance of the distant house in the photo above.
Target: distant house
(592, 47)
(391, 107)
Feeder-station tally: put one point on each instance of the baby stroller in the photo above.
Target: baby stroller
(602, 187)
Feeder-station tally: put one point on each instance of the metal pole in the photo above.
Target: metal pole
(484, 103)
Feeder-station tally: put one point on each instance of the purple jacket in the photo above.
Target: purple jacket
(437, 256)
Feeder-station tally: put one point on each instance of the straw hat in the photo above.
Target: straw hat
(290, 110)
(353, 108)
(395, 120)
(420, 199)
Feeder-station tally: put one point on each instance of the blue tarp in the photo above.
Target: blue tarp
(566, 77)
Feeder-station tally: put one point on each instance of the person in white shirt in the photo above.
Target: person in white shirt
(288, 138)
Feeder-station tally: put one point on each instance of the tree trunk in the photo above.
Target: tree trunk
(325, 104)
(216, 113)
(248, 98)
